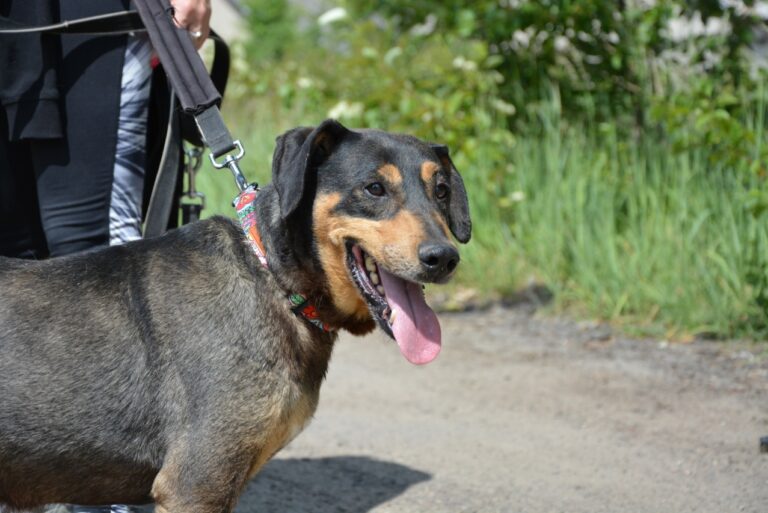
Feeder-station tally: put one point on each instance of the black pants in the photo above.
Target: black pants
(55, 193)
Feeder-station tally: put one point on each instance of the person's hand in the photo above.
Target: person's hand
(194, 16)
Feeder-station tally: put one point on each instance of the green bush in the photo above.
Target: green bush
(599, 55)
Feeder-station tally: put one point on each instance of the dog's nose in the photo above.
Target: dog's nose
(438, 260)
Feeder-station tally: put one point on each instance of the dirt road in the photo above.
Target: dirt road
(522, 414)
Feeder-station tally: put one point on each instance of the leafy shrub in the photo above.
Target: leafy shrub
(439, 87)
(599, 55)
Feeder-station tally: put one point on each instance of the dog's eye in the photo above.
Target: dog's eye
(442, 190)
(375, 189)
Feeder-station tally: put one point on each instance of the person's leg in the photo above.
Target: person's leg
(74, 175)
(131, 157)
(21, 234)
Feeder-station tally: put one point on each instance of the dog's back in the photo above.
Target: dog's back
(89, 378)
(59, 381)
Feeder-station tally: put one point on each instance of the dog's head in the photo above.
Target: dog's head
(382, 209)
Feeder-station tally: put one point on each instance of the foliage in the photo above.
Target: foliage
(717, 122)
(605, 155)
(581, 47)
(275, 24)
(656, 66)
(440, 87)
(597, 53)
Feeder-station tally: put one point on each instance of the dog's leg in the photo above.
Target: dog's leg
(199, 480)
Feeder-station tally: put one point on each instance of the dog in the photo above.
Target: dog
(171, 369)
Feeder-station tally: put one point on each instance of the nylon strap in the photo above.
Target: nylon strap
(246, 213)
(215, 132)
(186, 73)
(161, 200)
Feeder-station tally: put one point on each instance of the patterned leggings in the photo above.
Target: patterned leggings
(130, 154)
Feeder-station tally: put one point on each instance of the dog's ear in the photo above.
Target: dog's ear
(458, 209)
(298, 152)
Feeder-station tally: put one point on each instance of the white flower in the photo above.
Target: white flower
(503, 107)
(643, 4)
(332, 15)
(681, 29)
(464, 64)
(392, 54)
(304, 83)
(517, 196)
(426, 28)
(522, 38)
(594, 60)
(344, 109)
(561, 44)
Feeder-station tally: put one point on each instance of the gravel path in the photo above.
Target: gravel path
(524, 414)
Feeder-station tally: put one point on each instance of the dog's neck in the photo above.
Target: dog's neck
(290, 250)
(245, 205)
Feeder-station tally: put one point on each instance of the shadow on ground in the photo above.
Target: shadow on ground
(321, 485)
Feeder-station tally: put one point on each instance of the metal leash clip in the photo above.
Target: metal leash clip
(230, 161)
(192, 201)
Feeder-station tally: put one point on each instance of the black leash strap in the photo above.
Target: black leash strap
(189, 79)
(186, 71)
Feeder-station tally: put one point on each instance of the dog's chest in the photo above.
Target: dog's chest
(290, 414)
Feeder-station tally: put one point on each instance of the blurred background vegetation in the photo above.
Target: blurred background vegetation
(613, 151)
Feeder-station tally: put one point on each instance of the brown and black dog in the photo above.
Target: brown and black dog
(172, 369)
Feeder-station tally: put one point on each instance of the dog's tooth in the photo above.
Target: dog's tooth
(374, 277)
(392, 317)
(370, 265)
(380, 289)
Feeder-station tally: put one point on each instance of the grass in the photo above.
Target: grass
(635, 234)
(628, 231)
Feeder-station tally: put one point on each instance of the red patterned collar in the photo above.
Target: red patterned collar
(246, 213)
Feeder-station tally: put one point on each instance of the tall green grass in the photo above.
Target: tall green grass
(631, 231)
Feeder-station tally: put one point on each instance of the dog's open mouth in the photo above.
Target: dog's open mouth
(397, 305)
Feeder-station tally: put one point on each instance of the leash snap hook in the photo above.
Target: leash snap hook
(194, 157)
(230, 161)
(192, 202)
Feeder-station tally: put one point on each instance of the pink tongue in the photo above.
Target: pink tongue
(415, 326)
